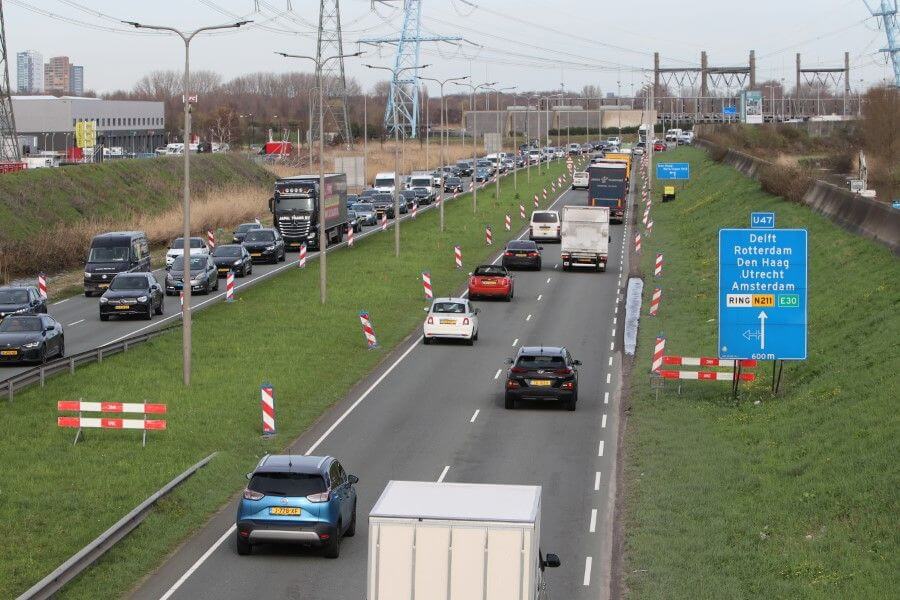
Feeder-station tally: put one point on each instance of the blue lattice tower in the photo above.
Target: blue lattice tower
(9, 143)
(888, 14)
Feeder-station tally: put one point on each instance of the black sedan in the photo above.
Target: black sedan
(232, 257)
(384, 204)
(423, 195)
(204, 277)
(542, 373)
(134, 294)
(21, 299)
(351, 199)
(238, 235)
(30, 338)
(464, 168)
(408, 199)
(265, 245)
(522, 254)
(453, 185)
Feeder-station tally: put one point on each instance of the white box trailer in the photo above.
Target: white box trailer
(456, 541)
(585, 237)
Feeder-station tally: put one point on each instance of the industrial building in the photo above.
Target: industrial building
(47, 123)
(519, 120)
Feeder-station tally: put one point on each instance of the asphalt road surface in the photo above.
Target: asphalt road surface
(436, 413)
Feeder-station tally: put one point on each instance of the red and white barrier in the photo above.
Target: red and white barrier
(657, 270)
(654, 302)
(267, 403)
(42, 285)
(108, 423)
(708, 361)
(229, 287)
(507, 222)
(100, 422)
(302, 262)
(368, 331)
(349, 236)
(707, 375)
(659, 349)
(522, 211)
(384, 221)
(457, 254)
(211, 239)
(488, 236)
(637, 242)
(111, 407)
(426, 284)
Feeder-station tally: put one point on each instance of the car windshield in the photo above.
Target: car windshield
(128, 282)
(409, 193)
(260, 236)
(197, 263)
(362, 207)
(287, 484)
(581, 174)
(544, 217)
(109, 254)
(523, 245)
(384, 182)
(13, 296)
(178, 244)
(306, 204)
(449, 307)
(245, 227)
(490, 271)
(229, 251)
(453, 180)
(17, 324)
(541, 361)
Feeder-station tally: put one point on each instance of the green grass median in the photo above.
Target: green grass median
(56, 497)
(793, 496)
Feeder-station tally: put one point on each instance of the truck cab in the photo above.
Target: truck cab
(295, 206)
(385, 182)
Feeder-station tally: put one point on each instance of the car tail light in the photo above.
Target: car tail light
(518, 370)
(511, 384)
(251, 495)
(244, 533)
(322, 497)
(568, 385)
(532, 254)
(507, 253)
(465, 321)
(565, 371)
(430, 320)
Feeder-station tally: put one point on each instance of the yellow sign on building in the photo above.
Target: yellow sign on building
(86, 134)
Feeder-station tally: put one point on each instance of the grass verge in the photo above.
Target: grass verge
(60, 497)
(787, 497)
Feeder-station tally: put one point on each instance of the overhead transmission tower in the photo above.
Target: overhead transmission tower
(404, 93)
(888, 14)
(9, 142)
(334, 81)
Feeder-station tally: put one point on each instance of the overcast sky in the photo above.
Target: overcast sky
(532, 44)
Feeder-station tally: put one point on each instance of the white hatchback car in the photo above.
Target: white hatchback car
(176, 249)
(545, 225)
(451, 318)
(580, 180)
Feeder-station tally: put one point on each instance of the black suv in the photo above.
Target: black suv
(265, 244)
(132, 294)
(542, 373)
(384, 204)
(21, 299)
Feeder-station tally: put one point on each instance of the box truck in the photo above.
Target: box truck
(585, 237)
(457, 541)
(608, 186)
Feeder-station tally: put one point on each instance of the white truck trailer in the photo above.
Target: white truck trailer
(585, 237)
(457, 541)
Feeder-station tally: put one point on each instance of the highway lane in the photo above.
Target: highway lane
(437, 412)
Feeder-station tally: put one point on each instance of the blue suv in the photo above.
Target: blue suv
(308, 500)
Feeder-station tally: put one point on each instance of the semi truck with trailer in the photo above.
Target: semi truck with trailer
(457, 541)
(585, 237)
(608, 186)
(295, 206)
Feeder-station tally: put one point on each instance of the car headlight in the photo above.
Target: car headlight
(270, 248)
(87, 275)
(169, 276)
(237, 262)
(142, 299)
(31, 345)
(195, 281)
(103, 299)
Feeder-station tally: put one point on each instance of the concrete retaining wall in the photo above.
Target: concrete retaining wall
(863, 216)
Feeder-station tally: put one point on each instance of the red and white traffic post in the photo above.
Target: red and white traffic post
(522, 211)
(637, 243)
(302, 262)
(229, 287)
(349, 236)
(536, 202)
(415, 209)
(650, 228)
(654, 302)
(488, 236)
(426, 284)
(267, 402)
(507, 222)
(659, 351)
(384, 221)
(457, 254)
(211, 239)
(42, 285)
(545, 193)
(657, 270)
(368, 331)
(181, 300)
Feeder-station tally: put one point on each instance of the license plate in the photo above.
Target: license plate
(448, 321)
(489, 283)
(545, 228)
(540, 382)
(284, 510)
(223, 270)
(295, 244)
(122, 307)
(256, 254)
(103, 286)
(521, 255)
(8, 352)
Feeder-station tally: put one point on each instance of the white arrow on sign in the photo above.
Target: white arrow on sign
(762, 329)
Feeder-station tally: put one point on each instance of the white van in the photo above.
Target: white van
(534, 156)
(545, 225)
(673, 134)
(580, 180)
(385, 182)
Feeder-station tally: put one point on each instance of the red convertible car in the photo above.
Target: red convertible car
(491, 281)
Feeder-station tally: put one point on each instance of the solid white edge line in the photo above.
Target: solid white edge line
(197, 564)
(600, 449)
(443, 474)
(58, 302)
(587, 571)
(593, 527)
(597, 481)
(475, 415)
(603, 421)
(76, 322)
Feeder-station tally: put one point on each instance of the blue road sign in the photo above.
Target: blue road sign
(762, 220)
(762, 294)
(729, 110)
(673, 170)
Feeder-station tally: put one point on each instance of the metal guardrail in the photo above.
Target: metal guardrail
(87, 556)
(68, 363)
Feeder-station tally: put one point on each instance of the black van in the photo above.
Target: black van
(113, 253)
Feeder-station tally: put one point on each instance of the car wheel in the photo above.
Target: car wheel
(217, 284)
(509, 402)
(539, 266)
(509, 296)
(104, 317)
(244, 547)
(43, 358)
(62, 347)
(426, 340)
(159, 309)
(351, 530)
(283, 255)
(333, 547)
(88, 294)
(149, 315)
(570, 403)
(470, 341)
(475, 337)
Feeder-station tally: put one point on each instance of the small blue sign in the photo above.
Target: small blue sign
(729, 110)
(896, 204)
(673, 170)
(762, 294)
(762, 220)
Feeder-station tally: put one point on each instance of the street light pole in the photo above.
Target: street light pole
(321, 236)
(396, 77)
(443, 134)
(500, 133)
(186, 37)
(474, 89)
